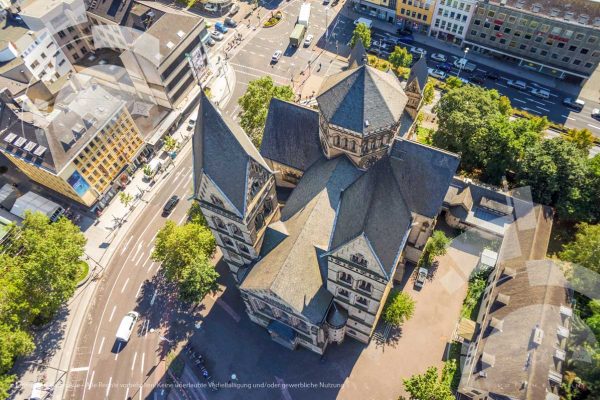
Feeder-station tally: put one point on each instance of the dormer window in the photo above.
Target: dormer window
(365, 286)
(343, 293)
(344, 277)
(216, 201)
(362, 301)
(359, 259)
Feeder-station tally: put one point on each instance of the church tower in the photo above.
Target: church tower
(233, 185)
(415, 85)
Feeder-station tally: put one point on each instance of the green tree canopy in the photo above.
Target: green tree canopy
(585, 249)
(431, 385)
(255, 105)
(452, 82)
(362, 33)
(428, 93)
(198, 279)
(582, 138)
(399, 307)
(436, 246)
(400, 57)
(170, 143)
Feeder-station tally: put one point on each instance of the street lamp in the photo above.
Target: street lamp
(326, 24)
(463, 62)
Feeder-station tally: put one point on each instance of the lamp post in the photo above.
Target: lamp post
(326, 24)
(462, 63)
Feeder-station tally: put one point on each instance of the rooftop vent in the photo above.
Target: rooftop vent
(40, 151)
(560, 354)
(536, 8)
(170, 45)
(562, 331)
(554, 12)
(496, 323)
(583, 19)
(520, 4)
(503, 2)
(487, 359)
(566, 311)
(180, 34)
(367, 122)
(503, 299)
(569, 15)
(10, 137)
(538, 335)
(555, 377)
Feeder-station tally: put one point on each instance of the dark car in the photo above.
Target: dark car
(404, 32)
(494, 76)
(234, 10)
(170, 205)
(230, 22)
(478, 79)
(446, 67)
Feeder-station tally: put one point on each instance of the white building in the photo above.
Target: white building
(451, 19)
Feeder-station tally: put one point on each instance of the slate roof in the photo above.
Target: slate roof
(291, 135)
(222, 150)
(374, 206)
(419, 72)
(358, 55)
(423, 174)
(291, 269)
(363, 100)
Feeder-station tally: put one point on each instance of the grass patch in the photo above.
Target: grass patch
(424, 135)
(454, 354)
(84, 269)
(472, 302)
(175, 363)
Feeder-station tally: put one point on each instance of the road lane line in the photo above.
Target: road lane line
(140, 258)
(542, 108)
(91, 380)
(501, 85)
(153, 298)
(127, 393)
(154, 237)
(112, 314)
(567, 117)
(118, 350)
(182, 219)
(151, 266)
(108, 386)
(142, 363)
(520, 101)
(594, 126)
(133, 363)
(79, 369)
(125, 285)
(101, 344)
(147, 258)
(138, 250)
(141, 387)
(137, 294)
(126, 245)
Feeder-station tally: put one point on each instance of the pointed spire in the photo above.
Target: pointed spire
(358, 56)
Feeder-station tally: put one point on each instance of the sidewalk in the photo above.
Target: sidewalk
(57, 342)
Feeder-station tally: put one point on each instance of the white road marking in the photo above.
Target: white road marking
(153, 298)
(108, 386)
(126, 245)
(137, 294)
(567, 117)
(147, 258)
(101, 344)
(229, 310)
(535, 101)
(481, 70)
(520, 101)
(182, 219)
(142, 364)
(112, 313)
(91, 380)
(542, 108)
(133, 363)
(79, 369)
(124, 285)
(118, 350)
(137, 251)
(140, 258)
(151, 266)
(141, 387)
(594, 126)
(154, 237)
(504, 86)
(127, 393)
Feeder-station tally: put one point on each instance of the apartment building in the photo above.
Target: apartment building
(384, 10)
(27, 55)
(416, 15)
(65, 19)
(83, 150)
(548, 36)
(451, 20)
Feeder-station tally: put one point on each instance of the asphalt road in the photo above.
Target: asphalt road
(102, 367)
(551, 108)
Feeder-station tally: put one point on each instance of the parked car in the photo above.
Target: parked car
(210, 41)
(126, 326)
(216, 35)
(436, 73)
(418, 51)
(596, 113)
(308, 40)
(517, 84)
(575, 104)
(421, 277)
(465, 81)
(446, 67)
(478, 79)
(219, 26)
(234, 10)
(276, 56)
(230, 22)
(170, 205)
(408, 39)
(492, 75)
(438, 57)
(404, 32)
(543, 93)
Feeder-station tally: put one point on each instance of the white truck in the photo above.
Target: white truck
(365, 21)
(463, 64)
(304, 15)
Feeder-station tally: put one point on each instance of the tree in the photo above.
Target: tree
(400, 57)
(581, 138)
(255, 105)
(147, 172)
(431, 385)
(362, 33)
(170, 144)
(198, 279)
(428, 93)
(399, 308)
(126, 198)
(13, 343)
(452, 82)
(585, 249)
(436, 246)
(195, 214)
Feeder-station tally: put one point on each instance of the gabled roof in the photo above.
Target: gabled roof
(292, 248)
(222, 151)
(374, 206)
(363, 100)
(423, 174)
(358, 55)
(291, 135)
(419, 72)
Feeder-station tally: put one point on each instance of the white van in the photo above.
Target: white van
(126, 326)
(365, 21)
(37, 392)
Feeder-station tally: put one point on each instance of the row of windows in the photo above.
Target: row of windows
(449, 27)
(281, 315)
(232, 228)
(456, 5)
(442, 12)
(229, 243)
(359, 284)
(416, 3)
(352, 299)
(413, 14)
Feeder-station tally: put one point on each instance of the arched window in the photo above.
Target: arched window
(365, 286)
(385, 139)
(362, 301)
(336, 140)
(344, 277)
(359, 259)
(228, 242)
(216, 201)
(353, 145)
(373, 144)
(218, 222)
(243, 248)
(345, 143)
(236, 230)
